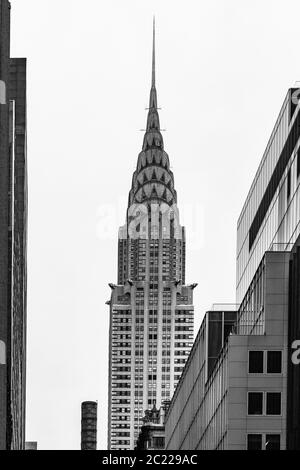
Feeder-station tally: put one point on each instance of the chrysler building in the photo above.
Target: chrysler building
(151, 308)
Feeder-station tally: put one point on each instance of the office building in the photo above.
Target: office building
(270, 220)
(13, 240)
(242, 403)
(251, 399)
(151, 308)
(189, 404)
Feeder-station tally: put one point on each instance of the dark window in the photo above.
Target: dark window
(273, 442)
(255, 403)
(288, 188)
(254, 442)
(227, 329)
(273, 403)
(158, 442)
(298, 164)
(274, 362)
(256, 362)
(151, 377)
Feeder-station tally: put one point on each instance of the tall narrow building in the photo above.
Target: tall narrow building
(4, 211)
(89, 410)
(13, 240)
(151, 308)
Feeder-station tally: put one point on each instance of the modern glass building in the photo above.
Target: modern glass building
(151, 308)
(270, 218)
(251, 399)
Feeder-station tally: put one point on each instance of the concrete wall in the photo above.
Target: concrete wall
(240, 381)
(213, 414)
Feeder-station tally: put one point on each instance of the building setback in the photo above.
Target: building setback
(151, 308)
(13, 241)
(251, 400)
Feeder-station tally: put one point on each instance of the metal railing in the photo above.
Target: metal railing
(224, 307)
(281, 247)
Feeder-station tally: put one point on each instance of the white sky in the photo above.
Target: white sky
(223, 68)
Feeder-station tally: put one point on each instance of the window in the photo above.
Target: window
(271, 365)
(272, 442)
(263, 442)
(256, 362)
(158, 442)
(273, 403)
(254, 442)
(274, 362)
(255, 403)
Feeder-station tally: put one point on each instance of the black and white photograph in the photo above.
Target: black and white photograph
(149, 228)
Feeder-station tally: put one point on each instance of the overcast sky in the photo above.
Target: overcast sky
(223, 69)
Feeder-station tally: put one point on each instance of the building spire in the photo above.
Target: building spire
(153, 55)
(153, 178)
(153, 97)
(153, 137)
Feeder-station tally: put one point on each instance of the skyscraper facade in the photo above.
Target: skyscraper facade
(151, 308)
(13, 240)
(4, 211)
